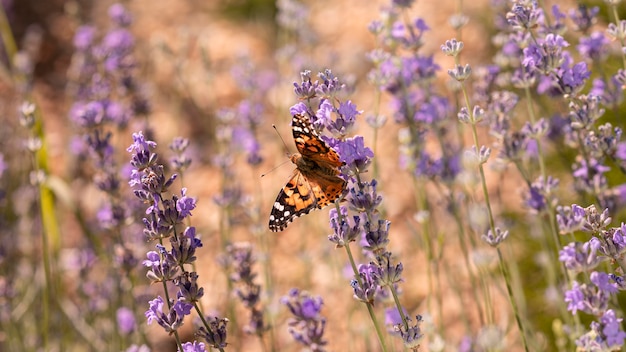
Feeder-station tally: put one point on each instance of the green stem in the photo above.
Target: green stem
(370, 308)
(492, 226)
(507, 280)
(355, 270)
(621, 40)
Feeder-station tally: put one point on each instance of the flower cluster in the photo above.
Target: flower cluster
(307, 325)
(107, 93)
(165, 217)
(239, 261)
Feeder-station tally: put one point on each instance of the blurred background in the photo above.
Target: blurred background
(221, 74)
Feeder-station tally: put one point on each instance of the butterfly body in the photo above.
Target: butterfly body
(314, 184)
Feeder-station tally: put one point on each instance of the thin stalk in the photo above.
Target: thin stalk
(370, 309)
(492, 226)
(507, 280)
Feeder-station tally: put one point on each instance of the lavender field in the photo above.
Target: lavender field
(446, 176)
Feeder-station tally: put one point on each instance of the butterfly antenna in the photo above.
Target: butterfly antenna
(286, 152)
(282, 140)
(274, 168)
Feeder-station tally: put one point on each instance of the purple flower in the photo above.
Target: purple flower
(541, 193)
(609, 91)
(594, 47)
(366, 288)
(392, 316)
(216, 333)
(387, 274)
(109, 216)
(343, 231)
(154, 228)
(605, 335)
(612, 330)
(184, 247)
(323, 116)
(299, 109)
(84, 37)
(547, 56)
(170, 319)
(125, 320)
(585, 111)
(307, 324)
(412, 334)
(570, 219)
(601, 280)
(558, 26)
(596, 222)
(589, 171)
(119, 15)
(306, 90)
(88, 115)
(409, 35)
(494, 240)
(376, 236)
(185, 204)
(343, 124)
(619, 281)
(117, 44)
(584, 17)
(240, 260)
(3, 165)
(303, 306)
(135, 348)
(189, 291)
(581, 257)
(163, 266)
(355, 155)
(193, 347)
(140, 143)
(523, 16)
(586, 298)
(364, 198)
(181, 161)
(572, 79)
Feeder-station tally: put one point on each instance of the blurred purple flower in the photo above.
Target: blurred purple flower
(194, 347)
(586, 298)
(3, 165)
(119, 15)
(180, 161)
(239, 261)
(524, 15)
(601, 280)
(584, 17)
(84, 37)
(125, 320)
(581, 257)
(605, 335)
(594, 47)
(307, 324)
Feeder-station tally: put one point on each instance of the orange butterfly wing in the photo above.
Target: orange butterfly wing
(314, 183)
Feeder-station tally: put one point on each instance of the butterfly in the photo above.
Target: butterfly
(314, 183)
